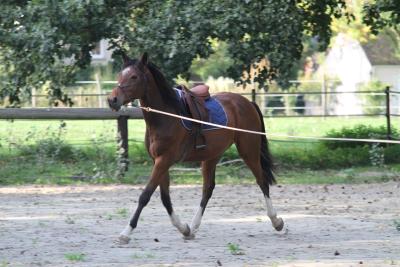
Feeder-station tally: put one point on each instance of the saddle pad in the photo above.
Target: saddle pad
(216, 114)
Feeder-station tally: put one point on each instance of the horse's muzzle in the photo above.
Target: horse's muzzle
(113, 103)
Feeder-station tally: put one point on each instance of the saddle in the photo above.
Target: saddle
(195, 101)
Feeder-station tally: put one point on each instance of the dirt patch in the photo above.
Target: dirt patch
(335, 225)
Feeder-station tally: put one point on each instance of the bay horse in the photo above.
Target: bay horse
(168, 142)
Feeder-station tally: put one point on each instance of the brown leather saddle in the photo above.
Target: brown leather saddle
(195, 100)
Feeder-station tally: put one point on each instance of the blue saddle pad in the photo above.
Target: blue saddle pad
(216, 114)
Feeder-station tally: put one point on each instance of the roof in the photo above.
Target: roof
(382, 50)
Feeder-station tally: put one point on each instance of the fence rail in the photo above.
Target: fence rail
(325, 102)
(68, 113)
(121, 116)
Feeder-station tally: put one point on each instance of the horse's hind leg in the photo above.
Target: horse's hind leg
(208, 171)
(166, 200)
(253, 160)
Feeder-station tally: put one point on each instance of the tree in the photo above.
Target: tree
(382, 13)
(45, 42)
(355, 28)
(37, 36)
(383, 16)
(177, 31)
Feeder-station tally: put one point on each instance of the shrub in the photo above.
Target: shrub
(374, 104)
(321, 157)
(359, 131)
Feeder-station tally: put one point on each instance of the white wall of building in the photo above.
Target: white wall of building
(389, 74)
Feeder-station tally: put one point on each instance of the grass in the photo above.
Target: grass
(75, 256)
(88, 155)
(143, 256)
(234, 249)
(122, 212)
(80, 132)
(397, 224)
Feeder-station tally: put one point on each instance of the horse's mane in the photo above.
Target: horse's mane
(168, 94)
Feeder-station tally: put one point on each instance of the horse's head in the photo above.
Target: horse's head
(132, 82)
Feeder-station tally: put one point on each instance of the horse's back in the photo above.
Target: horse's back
(241, 112)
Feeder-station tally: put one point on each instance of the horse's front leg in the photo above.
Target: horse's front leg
(159, 172)
(208, 171)
(166, 200)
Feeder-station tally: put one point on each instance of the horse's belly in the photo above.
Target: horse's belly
(217, 141)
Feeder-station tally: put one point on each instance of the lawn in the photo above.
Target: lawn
(85, 152)
(83, 131)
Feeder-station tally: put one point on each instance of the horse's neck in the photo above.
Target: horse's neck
(154, 100)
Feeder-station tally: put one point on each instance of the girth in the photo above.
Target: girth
(195, 101)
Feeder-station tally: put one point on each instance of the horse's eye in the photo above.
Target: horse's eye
(133, 77)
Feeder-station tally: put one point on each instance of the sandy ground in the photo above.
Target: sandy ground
(334, 225)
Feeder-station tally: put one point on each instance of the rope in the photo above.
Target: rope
(148, 109)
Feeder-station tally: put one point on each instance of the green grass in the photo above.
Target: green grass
(29, 154)
(78, 132)
(234, 249)
(313, 126)
(397, 224)
(75, 256)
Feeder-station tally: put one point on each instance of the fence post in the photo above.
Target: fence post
(253, 95)
(123, 142)
(388, 125)
(98, 86)
(324, 96)
(33, 93)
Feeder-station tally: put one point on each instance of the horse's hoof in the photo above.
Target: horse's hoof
(187, 231)
(191, 236)
(123, 240)
(278, 225)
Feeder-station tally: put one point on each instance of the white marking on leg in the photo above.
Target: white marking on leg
(196, 220)
(124, 238)
(183, 228)
(127, 231)
(276, 222)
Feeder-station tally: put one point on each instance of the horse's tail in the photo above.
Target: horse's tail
(265, 156)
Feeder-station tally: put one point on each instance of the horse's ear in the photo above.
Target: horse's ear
(144, 59)
(125, 57)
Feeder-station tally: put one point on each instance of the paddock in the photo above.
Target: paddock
(326, 225)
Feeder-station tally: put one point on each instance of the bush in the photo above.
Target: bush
(358, 132)
(339, 154)
(374, 104)
(320, 157)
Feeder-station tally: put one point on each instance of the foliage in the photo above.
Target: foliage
(355, 28)
(372, 102)
(383, 17)
(382, 13)
(320, 157)
(376, 155)
(215, 65)
(359, 132)
(52, 147)
(38, 37)
(46, 152)
(46, 42)
(178, 31)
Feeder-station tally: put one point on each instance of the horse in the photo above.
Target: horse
(168, 142)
